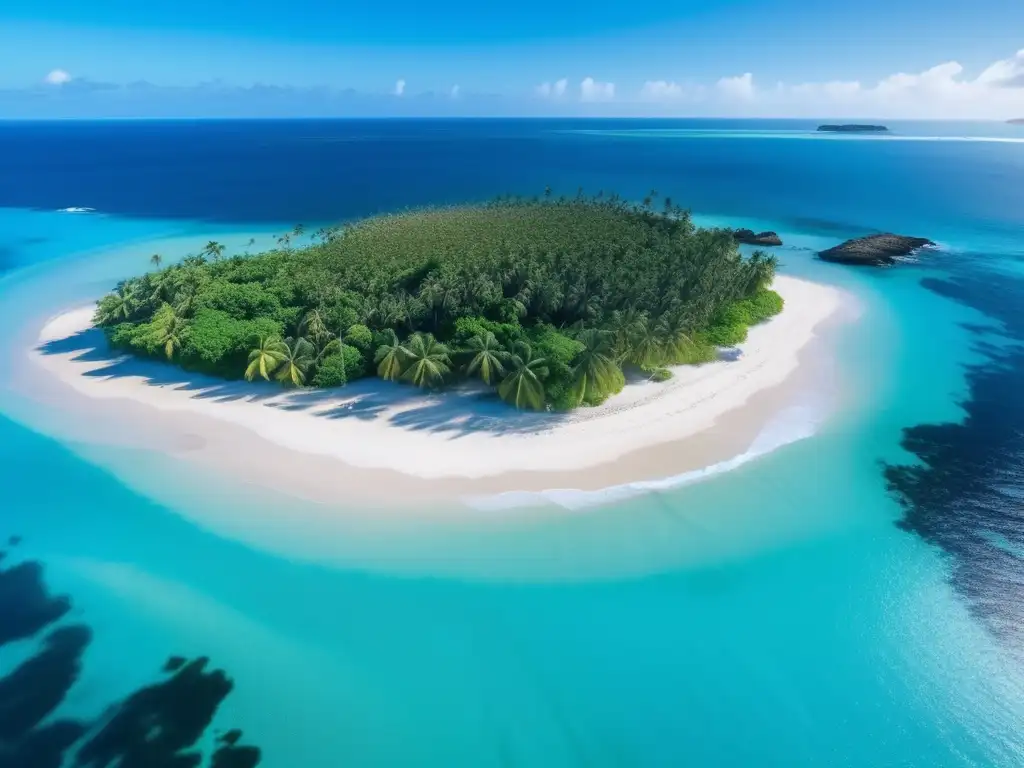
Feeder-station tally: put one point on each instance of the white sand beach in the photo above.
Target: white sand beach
(378, 439)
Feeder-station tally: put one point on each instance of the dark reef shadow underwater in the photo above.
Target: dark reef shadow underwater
(157, 726)
(967, 494)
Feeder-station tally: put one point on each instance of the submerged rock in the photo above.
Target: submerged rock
(874, 250)
(26, 606)
(750, 237)
(174, 663)
(853, 128)
(157, 726)
(231, 737)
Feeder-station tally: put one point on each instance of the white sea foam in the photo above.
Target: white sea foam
(789, 426)
(76, 209)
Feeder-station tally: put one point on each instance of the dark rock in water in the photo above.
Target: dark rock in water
(43, 747)
(231, 737)
(750, 237)
(14, 541)
(236, 757)
(25, 606)
(160, 724)
(874, 250)
(853, 128)
(174, 663)
(34, 690)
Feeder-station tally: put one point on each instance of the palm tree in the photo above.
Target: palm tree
(214, 250)
(595, 372)
(389, 357)
(487, 357)
(159, 286)
(186, 286)
(428, 360)
(671, 331)
(264, 359)
(432, 294)
(626, 327)
(172, 333)
(297, 357)
(156, 259)
(646, 347)
(298, 230)
(523, 387)
(285, 241)
(314, 326)
(117, 306)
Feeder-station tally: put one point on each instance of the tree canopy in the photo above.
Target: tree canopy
(545, 300)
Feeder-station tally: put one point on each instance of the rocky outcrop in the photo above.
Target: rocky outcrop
(750, 237)
(874, 250)
(852, 128)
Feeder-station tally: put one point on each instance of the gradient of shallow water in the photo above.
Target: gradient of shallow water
(772, 615)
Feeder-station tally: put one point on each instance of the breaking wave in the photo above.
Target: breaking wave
(789, 426)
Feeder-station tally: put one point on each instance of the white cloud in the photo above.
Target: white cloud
(554, 90)
(942, 91)
(740, 88)
(592, 90)
(455, 91)
(663, 91)
(399, 87)
(1007, 73)
(58, 77)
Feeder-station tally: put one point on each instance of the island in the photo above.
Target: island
(853, 128)
(750, 237)
(874, 250)
(550, 303)
(1016, 121)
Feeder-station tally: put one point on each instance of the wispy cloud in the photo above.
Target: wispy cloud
(942, 91)
(57, 77)
(946, 90)
(741, 87)
(661, 90)
(670, 92)
(591, 90)
(1006, 73)
(555, 90)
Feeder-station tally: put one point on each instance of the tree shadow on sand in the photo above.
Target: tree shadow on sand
(463, 410)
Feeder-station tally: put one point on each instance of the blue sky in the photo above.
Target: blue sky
(757, 57)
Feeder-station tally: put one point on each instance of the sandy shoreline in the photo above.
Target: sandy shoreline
(385, 444)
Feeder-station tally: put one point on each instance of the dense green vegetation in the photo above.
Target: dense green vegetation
(546, 301)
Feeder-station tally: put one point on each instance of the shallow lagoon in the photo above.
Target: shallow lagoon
(771, 615)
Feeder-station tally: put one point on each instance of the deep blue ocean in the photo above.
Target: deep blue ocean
(855, 598)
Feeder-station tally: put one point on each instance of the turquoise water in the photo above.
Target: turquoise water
(772, 615)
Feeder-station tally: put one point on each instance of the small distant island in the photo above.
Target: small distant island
(1016, 121)
(874, 250)
(549, 301)
(853, 128)
(750, 237)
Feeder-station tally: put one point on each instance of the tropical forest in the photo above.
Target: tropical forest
(550, 302)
